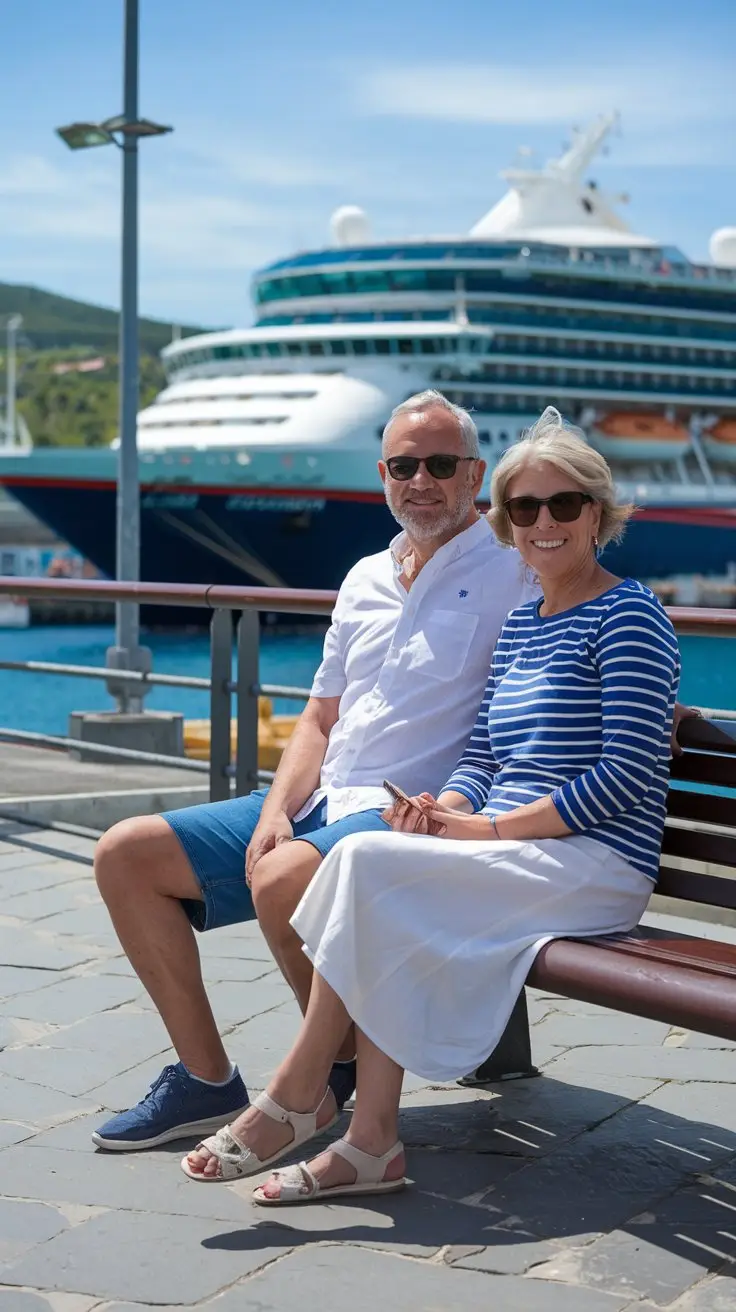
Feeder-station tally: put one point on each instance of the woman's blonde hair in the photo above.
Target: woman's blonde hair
(560, 444)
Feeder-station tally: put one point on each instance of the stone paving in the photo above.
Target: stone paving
(609, 1183)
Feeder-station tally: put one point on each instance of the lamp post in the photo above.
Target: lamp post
(13, 324)
(124, 131)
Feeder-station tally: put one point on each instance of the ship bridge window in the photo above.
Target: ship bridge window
(366, 282)
(338, 347)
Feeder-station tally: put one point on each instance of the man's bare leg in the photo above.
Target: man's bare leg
(142, 873)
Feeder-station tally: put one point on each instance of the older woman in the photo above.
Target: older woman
(550, 826)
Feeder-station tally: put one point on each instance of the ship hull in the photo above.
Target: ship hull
(282, 537)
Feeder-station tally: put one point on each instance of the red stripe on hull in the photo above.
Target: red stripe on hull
(708, 517)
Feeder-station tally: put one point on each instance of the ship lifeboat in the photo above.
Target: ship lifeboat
(720, 442)
(623, 437)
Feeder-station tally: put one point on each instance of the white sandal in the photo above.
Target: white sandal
(237, 1159)
(299, 1185)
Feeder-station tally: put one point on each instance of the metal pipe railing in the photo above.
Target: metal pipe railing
(197, 682)
(234, 616)
(294, 601)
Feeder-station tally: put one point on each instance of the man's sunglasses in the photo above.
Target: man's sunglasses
(564, 507)
(402, 468)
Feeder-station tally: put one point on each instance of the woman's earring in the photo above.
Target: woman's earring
(596, 547)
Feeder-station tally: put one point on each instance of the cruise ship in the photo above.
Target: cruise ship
(258, 459)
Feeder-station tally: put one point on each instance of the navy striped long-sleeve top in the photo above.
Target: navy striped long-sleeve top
(578, 706)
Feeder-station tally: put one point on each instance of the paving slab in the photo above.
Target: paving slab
(23, 1225)
(63, 1002)
(609, 1182)
(146, 1257)
(29, 1300)
(367, 1280)
(27, 1103)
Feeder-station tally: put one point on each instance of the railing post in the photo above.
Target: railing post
(221, 664)
(246, 767)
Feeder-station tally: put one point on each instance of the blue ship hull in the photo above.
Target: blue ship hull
(283, 537)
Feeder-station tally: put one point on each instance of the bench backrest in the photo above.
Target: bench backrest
(701, 826)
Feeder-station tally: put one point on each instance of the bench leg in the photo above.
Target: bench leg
(511, 1059)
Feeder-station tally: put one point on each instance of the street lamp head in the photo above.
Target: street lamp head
(80, 136)
(140, 127)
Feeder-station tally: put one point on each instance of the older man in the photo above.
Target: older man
(405, 663)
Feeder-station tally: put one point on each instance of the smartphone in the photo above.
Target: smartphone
(397, 793)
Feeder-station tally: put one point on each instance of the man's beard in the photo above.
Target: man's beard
(425, 527)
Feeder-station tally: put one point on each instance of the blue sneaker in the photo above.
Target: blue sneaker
(175, 1107)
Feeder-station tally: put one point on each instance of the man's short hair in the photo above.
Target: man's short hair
(429, 400)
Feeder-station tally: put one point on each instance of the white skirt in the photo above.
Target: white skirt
(428, 941)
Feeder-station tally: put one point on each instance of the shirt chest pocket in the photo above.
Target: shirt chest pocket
(439, 649)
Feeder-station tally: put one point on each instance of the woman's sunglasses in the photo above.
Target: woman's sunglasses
(564, 507)
(402, 468)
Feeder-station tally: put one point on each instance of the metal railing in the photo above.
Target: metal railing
(235, 618)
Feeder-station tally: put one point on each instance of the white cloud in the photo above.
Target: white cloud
(656, 93)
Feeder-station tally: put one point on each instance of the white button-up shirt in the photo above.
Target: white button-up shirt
(410, 668)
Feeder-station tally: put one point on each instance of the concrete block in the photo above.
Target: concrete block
(101, 809)
(148, 731)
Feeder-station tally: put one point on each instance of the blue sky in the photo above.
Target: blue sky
(285, 110)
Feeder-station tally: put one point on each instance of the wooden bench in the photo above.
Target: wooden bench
(657, 973)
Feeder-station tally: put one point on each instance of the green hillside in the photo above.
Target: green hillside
(57, 321)
(60, 406)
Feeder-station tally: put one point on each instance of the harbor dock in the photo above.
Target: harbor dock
(606, 1185)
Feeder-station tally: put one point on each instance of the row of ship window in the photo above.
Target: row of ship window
(398, 346)
(610, 377)
(376, 282)
(611, 353)
(533, 315)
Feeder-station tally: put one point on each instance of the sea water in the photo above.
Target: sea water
(43, 702)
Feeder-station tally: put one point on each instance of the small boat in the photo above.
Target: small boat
(631, 436)
(720, 442)
(274, 732)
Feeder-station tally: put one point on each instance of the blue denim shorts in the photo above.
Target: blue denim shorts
(215, 837)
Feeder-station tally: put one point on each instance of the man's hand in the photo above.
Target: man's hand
(272, 829)
(681, 713)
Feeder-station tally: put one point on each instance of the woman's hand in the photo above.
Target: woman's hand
(414, 816)
(456, 824)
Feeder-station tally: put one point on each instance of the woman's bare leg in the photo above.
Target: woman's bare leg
(300, 1082)
(374, 1125)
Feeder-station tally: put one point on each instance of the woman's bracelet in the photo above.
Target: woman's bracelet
(492, 823)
